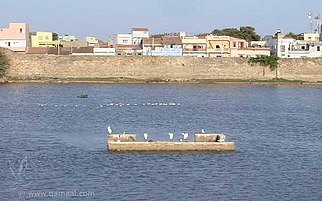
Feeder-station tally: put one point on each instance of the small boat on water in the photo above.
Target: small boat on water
(82, 96)
(202, 142)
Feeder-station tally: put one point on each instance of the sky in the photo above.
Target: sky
(103, 18)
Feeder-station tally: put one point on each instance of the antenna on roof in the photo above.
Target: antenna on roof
(318, 23)
(310, 22)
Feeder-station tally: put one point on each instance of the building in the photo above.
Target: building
(67, 38)
(162, 46)
(194, 46)
(138, 34)
(312, 37)
(152, 47)
(16, 37)
(291, 48)
(218, 46)
(172, 46)
(238, 48)
(130, 44)
(43, 39)
(134, 38)
(122, 39)
(92, 41)
(262, 43)
(226, 46)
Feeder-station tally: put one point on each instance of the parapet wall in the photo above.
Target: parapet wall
(163, 68)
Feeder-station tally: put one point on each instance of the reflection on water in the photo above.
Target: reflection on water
(277, 131)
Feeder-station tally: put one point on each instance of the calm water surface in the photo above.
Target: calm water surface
(52, 142)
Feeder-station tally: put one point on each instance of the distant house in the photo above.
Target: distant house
(67, 38)
(130, 44)
(164, 46)
(226, 46)
(43, 39)
(134, 38)
(16, 37)
(172, 46)
(283, 47)
(194, 46)
(138, 34)
(122, 39)
(218, 46)
(92, 41)
(152, 47)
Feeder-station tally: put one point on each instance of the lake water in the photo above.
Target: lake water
(54, 144)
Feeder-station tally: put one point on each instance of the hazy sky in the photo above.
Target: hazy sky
(103, 18)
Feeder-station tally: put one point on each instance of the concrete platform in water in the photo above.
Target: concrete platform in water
(202, 142)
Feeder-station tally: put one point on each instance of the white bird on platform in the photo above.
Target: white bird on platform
(109, 130)
(185, 136)
(171, 136)
(203, 131)
(145, 135)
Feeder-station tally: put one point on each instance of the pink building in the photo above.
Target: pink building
(16, 37)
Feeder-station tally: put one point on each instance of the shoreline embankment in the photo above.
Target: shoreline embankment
(139, 69)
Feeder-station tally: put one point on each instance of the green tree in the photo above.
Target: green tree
(55, 36)
(249, 34)
(271, 61)
(294, 36)
(246, 32)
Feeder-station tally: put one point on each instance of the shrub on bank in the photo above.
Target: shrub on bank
(271, 61)
(4, 63)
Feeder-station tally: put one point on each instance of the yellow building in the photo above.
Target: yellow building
(226, 46)
(43, 39)
(218, 46)
(312, 37)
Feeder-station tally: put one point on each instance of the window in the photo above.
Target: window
(9, 44)
(318, 48)
(125, 41)
(282, 48)
(217, 46)
(47, 37)
(234, 44)
(20, 30)
(309, 38)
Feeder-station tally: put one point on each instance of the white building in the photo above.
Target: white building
(67, 38)
(134, 38)
(92, 41)
(138, 34)
(15, 37)
(291, 48)
(122, 39)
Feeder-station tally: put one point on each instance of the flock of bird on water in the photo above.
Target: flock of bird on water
(171, 135)
(115, 104)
